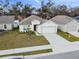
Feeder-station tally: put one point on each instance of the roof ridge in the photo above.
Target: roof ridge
(31, 17)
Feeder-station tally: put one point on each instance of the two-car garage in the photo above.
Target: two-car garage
(47, 27)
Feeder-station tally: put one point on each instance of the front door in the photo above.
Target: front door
(34, 27)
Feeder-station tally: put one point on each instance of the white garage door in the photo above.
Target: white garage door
(47, 29)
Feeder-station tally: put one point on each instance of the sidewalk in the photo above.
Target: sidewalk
(28, 57)
(27, 49)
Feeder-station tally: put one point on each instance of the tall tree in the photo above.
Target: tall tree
(27, 10)
(62, 10)
(16, 9)
(4, 5)
(74, 12)
(44, 11)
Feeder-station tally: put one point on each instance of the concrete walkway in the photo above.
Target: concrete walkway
(26, 49)
(59, 44)
(75, 33)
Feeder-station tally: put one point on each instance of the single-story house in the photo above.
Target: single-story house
(65, 23)
(30, 23)
(6, 22)
(47, 27)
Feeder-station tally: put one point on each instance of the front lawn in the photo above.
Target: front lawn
(15, 39)
(29, 53)
(68, 36)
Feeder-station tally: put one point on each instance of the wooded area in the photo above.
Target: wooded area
(46, 11)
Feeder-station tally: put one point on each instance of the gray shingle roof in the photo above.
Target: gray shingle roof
(62, 19)
(31, 18)
(6, 19)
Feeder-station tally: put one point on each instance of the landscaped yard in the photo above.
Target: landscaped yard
(29, 53)
(68, 36)
(15, 39)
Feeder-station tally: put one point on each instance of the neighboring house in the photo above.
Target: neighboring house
(65, 23)
(47, 27)
(30, 23)
(77, 19)
(6, 22)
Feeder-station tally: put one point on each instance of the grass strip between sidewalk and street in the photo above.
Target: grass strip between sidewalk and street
(68, 36)
(29, 53)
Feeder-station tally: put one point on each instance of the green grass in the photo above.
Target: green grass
(68, 36)
(29, 53)
(15, 39)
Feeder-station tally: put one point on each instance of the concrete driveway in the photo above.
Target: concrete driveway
(59, 44)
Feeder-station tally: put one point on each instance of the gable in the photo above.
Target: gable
(35, 22)
(73, 22)
(29, 19)
(48, 23)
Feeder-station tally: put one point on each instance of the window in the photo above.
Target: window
(5, 26)
(25, 28)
